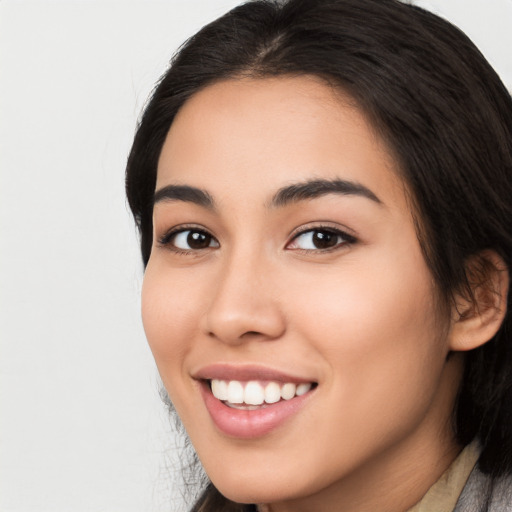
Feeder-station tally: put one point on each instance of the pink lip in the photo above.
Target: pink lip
(248, 424)
(245, 373)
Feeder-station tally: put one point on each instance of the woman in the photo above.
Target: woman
(323, 194)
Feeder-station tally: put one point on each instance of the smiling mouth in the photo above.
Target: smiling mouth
(253, 395)
(250, 402)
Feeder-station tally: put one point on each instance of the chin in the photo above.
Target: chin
(263, 487)
(251, 493)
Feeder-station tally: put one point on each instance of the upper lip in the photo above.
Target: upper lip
(247, 372)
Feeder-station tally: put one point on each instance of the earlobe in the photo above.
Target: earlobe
(477, 318)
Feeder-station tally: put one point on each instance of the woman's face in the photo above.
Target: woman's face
(285, 256)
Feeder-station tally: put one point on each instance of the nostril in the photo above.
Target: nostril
(236, 321)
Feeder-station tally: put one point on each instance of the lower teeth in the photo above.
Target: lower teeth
(246, 407)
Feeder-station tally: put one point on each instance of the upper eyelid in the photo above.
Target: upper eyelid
(325, 225)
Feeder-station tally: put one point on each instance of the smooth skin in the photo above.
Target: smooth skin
(244, 280)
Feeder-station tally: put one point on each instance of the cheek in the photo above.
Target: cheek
(384, 300)
(376, 326)
(377, 331)
(169, 315)
(170, 305)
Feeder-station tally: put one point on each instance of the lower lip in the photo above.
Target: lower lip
(250, 424)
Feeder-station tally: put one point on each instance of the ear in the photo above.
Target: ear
(477, 318)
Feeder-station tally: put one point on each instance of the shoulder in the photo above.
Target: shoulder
(483, 493)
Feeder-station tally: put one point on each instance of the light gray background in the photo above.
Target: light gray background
(81, 424)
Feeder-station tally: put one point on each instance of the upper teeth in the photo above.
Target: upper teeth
(254, 393)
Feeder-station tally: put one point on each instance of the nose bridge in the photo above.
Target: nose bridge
(245, 303)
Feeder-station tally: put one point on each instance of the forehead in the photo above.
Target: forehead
(268, 132)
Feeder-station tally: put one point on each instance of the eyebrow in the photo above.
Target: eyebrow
(312, 189)
(293, 193)
(184, 193)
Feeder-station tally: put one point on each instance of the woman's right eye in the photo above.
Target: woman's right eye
(189, 240)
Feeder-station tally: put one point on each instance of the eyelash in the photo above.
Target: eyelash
(167, 238)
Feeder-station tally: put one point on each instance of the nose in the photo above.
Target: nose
(245, 304)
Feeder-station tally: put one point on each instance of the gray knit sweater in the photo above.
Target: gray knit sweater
(485, 494)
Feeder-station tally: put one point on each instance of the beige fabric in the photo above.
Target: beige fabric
(443, 495)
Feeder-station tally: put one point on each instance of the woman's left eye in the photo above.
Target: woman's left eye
(320, 239)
